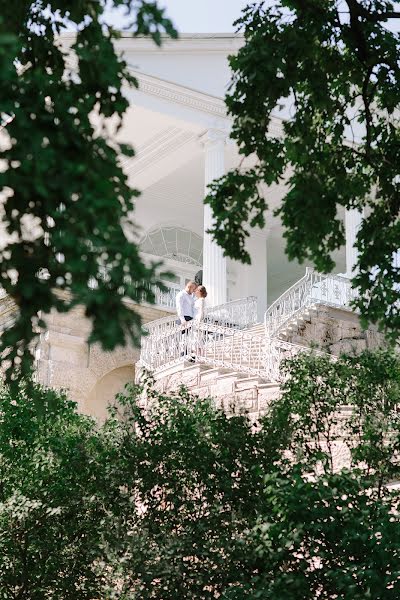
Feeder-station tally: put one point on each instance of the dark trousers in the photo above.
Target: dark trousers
(178, 322)
(185, 332)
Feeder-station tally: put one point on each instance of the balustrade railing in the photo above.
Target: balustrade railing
(215, 345)
(237, 313)
(167, 298)
(163, 337)
(225, 339)
(163, 298)
(312, 289)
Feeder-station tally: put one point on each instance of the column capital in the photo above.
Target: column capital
(214, 137)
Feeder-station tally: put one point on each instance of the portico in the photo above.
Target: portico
(178, 124)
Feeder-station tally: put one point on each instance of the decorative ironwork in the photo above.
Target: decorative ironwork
(238, 313)
(163, 298)
(167, 298)
(176, 243)
(311, 290)
(226, 339)
(168, 343)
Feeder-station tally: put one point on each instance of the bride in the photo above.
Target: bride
(198, 318)
(199, 305)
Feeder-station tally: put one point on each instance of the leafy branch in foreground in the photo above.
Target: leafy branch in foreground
(67, 203)
(182, 501)
(334, 67)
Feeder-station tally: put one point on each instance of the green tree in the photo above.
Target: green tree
(336, 65)
(182, 501)
(331, 528)
(53, 496)
(66, 198)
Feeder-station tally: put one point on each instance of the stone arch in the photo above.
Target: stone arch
(110, 372)
(106, 388)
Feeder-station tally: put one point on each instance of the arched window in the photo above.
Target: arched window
(175, 243)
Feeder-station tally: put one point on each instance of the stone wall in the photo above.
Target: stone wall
(335, 330)
(64, 359)
(91, 375)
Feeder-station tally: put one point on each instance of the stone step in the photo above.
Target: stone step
(245, 383)
(190, 365)
(233, 390)
(209, 375)
(260, 327)
(267, 385)
(223, 350)
(236, 345)
(231, 375)
(174, 368)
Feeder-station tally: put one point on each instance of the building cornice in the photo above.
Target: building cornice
(175, 93)
(219, 43)
(194, 99)
(166, 90)
(186, 43)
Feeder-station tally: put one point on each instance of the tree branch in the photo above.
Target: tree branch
(376, 17)
(357, 11)
(368, 114)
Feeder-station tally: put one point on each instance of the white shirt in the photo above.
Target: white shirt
(184, 305)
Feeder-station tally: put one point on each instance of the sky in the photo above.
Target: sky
(205, 16)
(200, 16)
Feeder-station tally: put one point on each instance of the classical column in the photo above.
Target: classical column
(214, 263)
(353, 220)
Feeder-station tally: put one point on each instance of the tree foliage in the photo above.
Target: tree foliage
(181, 501)
(67, 203)
(336, 65)
(53, 485)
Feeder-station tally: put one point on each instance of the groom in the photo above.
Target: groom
(185, 303)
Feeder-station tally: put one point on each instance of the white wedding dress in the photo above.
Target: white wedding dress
(198, 314)
(198, 333)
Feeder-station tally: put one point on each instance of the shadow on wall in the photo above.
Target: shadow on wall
(105, 390)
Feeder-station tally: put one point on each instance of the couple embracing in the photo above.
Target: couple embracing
(190, 303)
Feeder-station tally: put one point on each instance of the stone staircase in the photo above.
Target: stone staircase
(232, 391)
(296, 321)
(237, 360)
(303, 298)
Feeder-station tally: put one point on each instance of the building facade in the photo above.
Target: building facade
(178, 124)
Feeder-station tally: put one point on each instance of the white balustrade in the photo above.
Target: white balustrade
(237, 313)
(169, 343)
(226, 339)
(312, 289)
(164, 338)
(167, 298)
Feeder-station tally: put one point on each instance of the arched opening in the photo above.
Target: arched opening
(105, 390)
(181, 251)
(174, 243)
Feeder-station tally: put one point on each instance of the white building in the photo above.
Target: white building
(178, 124)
